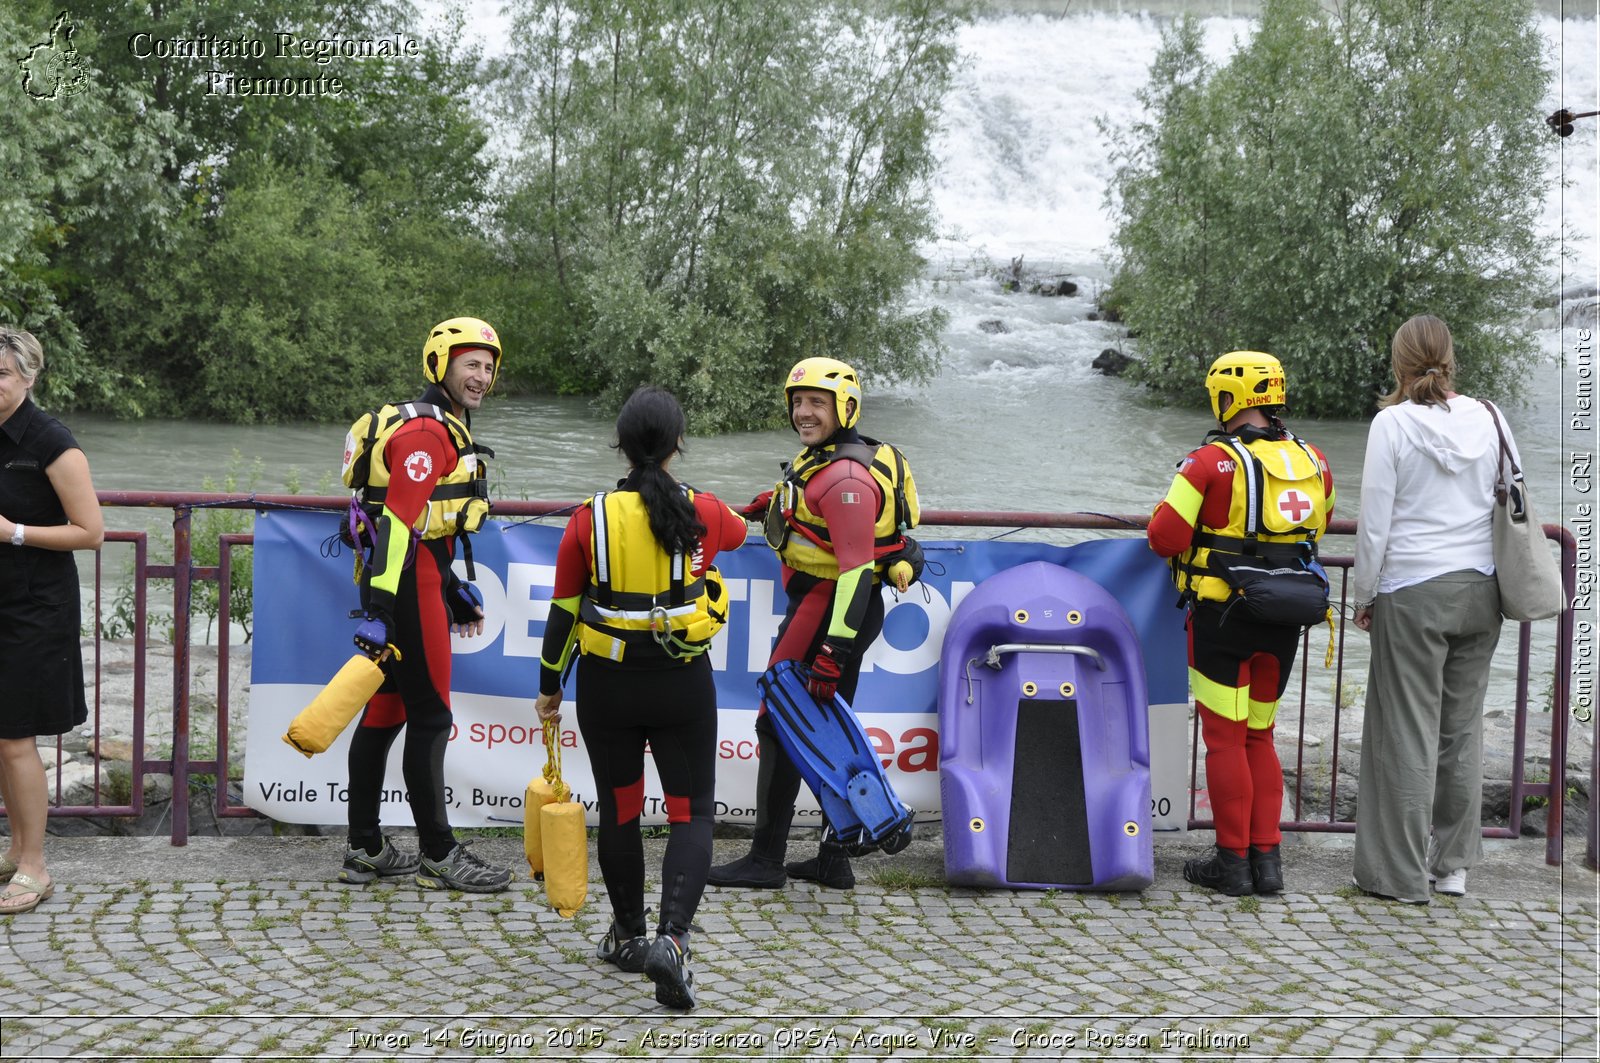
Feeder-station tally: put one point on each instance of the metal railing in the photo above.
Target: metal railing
(182, 768)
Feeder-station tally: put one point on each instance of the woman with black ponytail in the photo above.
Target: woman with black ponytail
(637, 596)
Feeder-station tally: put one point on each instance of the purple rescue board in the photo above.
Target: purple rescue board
(1044, 734)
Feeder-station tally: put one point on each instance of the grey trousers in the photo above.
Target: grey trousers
(1422, 738)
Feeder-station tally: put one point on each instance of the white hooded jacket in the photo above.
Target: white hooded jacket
(1427, 492)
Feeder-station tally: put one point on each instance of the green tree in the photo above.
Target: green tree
(247, 257)
(1356, 162)
(707, 191)
(77, 152)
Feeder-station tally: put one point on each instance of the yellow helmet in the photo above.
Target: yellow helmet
(826, 374)
(457, 332)
(1253, 379)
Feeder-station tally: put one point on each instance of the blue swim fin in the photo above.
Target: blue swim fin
(830, 748)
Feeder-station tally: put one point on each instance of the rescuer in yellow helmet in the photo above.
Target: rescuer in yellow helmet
(1240, 525)
(837, 520)
(419, 487)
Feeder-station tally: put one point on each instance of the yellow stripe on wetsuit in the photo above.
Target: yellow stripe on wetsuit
(570, 607)
(856, 582)
(1185, 499)
(396, 540)
(1232, 703)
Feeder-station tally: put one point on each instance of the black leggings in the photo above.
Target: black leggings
(674, 709)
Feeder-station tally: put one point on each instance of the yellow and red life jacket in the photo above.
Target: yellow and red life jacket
(641, 600)
(1278, 507)
(460, 500)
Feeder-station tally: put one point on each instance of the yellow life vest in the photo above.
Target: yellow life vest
(641, 602)
(1278, 511)
(810, 549)
(460, 500)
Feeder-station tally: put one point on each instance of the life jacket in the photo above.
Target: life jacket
(801, 538)
(460, 500)
(642, 603)
(1277, 513)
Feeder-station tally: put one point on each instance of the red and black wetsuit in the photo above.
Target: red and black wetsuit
(416, 687)
(655, 700)
(849, 610)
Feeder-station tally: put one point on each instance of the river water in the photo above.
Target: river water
(1015, 420)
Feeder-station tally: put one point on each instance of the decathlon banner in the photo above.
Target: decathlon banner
(302, 632)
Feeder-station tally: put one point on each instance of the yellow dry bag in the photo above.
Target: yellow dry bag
(540, 793)
(321, 723)
(563, 838)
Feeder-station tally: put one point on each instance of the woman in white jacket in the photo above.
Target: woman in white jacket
(1424, 587)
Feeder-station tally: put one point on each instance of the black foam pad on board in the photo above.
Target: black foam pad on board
(1049, 839)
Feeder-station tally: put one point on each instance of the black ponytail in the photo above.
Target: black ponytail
(649, 431)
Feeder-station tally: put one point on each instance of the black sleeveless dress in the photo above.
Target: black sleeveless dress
(41, 662)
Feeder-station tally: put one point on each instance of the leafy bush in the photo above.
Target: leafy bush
(1352, 165)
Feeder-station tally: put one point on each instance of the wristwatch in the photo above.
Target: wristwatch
(17, 535)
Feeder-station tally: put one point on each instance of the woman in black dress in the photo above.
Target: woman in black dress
(48, 508)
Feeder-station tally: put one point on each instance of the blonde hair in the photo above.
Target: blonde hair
(25, 348)
(1423, 358)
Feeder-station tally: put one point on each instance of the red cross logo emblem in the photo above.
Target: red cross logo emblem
(1294, 505)
(419, 465)
(487, 333)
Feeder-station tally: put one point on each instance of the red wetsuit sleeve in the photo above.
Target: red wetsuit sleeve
(573, 562)
(572, 576)
(725, 530)
(1201, 493)
(846, 497)
(418, 454)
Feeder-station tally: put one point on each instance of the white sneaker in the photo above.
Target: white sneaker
(1452, 885)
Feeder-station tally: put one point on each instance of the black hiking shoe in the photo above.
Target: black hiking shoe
(626, 953)
(1224, 872)
(830, 868)
(361, 866)
(750, 872)
(463, 871)
(667, 966)
(1266, 869)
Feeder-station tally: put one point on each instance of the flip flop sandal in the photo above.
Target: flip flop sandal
(22, 884)
(8, 868)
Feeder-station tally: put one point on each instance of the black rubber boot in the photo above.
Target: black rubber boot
(1224, 872)
(1266, 869)
(750, 872)
(830, 868)
(762, 867)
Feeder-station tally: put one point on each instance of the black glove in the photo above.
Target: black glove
(826, 668)
(372, 637)
(466, 604)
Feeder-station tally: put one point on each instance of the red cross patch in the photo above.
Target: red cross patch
(1295, 505)
(487, 333)
(419, 465)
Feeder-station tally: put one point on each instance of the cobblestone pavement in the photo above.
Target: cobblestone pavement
(248, 948)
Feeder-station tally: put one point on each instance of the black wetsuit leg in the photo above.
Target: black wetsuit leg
(674, 709)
